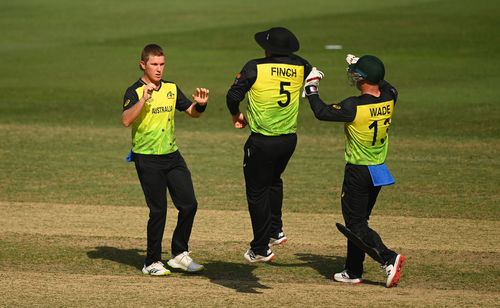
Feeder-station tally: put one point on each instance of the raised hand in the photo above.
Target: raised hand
(201, 96)
(148, 91)
(311, 83)
(351, 59)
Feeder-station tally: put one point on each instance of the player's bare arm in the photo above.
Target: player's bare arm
(129, 115)
(200, 96)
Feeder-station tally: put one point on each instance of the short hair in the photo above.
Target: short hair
(151, 50)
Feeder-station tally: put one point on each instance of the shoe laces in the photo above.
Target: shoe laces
(251, 254)
(186, 259)
(387, 268)
(157, 264)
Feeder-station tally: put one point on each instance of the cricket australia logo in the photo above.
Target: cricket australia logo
(170, 94)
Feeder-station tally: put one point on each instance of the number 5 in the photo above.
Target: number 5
(283, 91)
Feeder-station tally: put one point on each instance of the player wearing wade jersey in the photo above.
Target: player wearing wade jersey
(273, 85)
(367, 119)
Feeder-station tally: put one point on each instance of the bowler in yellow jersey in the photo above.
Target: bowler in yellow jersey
(149, 107)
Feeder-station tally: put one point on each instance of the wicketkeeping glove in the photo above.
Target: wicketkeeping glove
(351, 59)
(312, 82)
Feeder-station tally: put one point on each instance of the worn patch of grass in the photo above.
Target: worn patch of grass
(67, 245)
(105, 269)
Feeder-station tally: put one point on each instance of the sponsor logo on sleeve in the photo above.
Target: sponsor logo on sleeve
(237, 78)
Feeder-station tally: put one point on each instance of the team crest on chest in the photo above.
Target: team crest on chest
(170, 94)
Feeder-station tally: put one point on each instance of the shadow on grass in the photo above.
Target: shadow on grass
(326, 266)
(237, 276)
(131, 257)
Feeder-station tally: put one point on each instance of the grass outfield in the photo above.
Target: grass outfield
(72, 228)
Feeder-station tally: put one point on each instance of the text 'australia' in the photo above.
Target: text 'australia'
(279, 71)
(161, 109)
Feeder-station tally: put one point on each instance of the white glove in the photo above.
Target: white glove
(312, 82)
(351, 59)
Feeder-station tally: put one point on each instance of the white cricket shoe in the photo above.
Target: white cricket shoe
(344, 276)
(155, 269)
(393, 270)
(184, 262)
(281, 239)
(251, 257)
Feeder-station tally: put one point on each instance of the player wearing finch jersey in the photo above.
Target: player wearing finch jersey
(272, 85)
(367, 119)
(149, 107)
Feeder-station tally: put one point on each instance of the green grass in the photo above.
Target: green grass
(65, 67)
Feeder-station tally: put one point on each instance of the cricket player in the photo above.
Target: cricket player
(367, 119)
(149, 107)
(272, 85)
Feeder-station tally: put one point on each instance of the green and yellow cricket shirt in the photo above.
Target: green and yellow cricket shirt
(153, 132)
(367, 119)
(273, 86)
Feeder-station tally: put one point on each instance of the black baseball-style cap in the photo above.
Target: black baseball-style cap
(278, 40)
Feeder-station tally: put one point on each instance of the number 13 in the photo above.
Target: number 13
(374, 125)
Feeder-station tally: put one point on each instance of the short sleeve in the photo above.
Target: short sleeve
(130, 98)
(182, 103)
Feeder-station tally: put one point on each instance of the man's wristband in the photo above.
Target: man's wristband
(311, 90)
(200, 108)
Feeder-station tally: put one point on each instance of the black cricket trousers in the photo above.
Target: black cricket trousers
(157, 174)
(358, 199)
(265, 159)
